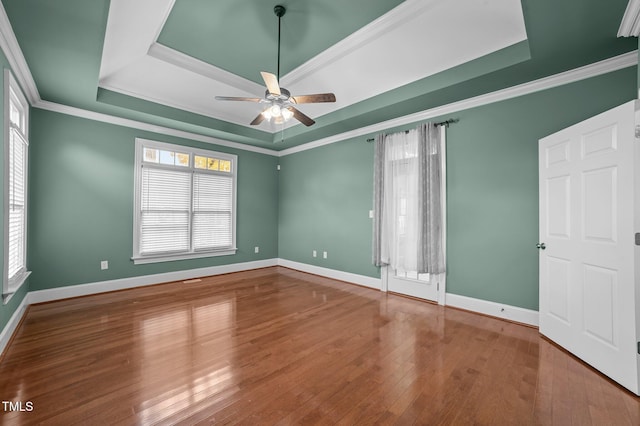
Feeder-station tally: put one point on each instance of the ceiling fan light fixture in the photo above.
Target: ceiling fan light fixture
(275, 110)
(278, 102)
(279, 112)
(287, 114)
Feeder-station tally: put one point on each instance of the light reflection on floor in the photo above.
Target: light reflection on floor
(180, 335)
(295, 351)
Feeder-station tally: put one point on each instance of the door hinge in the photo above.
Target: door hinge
(637, 132)
(638, 348)
(638, 238)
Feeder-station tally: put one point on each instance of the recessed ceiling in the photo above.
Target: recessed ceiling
(253, 39)
(162, 62)
(185, 69)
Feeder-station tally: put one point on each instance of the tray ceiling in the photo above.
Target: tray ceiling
(162, 62)
(412, 41)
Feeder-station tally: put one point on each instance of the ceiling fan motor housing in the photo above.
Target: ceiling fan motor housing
(279, 10)
(284, 95)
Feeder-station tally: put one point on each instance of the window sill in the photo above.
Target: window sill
(14, 286)
(141, 260)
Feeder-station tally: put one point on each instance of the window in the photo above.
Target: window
(185, 203)
(403, 189)
(16, 148)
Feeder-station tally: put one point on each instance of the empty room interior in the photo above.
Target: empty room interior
(320, 212)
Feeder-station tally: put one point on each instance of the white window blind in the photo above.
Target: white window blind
(164, 218)
(17, 217)
(185, 200)
(212, 210)
(16, 110)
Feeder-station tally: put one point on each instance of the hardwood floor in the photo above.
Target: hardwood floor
(276, 346)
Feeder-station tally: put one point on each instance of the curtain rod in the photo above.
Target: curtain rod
(440, 123)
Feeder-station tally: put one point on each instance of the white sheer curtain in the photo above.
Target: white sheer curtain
(408, 201)
(400, 230)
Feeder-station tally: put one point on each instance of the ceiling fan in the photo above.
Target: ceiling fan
(278, 100)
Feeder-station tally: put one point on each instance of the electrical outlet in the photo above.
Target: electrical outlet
(324, 254)
(256, 249)
(315, 253)
(104, 265)
(370, 214)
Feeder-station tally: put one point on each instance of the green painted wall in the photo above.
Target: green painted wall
(81, 197)
(492, 188)
(6, 311)
(81, 203)
(325, 198)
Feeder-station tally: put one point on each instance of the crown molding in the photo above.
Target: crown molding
(125, 122)
(395, 18)
(409, 19)
(174, 58)
(17, 62)
(593, 70)
(128, 38)
(179, 59)
(630, 25)
(173, 104)
(11, 48)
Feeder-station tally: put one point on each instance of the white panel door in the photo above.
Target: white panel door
(588, 259)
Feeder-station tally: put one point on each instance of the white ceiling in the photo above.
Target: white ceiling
(417, 39)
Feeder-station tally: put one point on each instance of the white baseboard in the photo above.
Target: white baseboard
(499, 310)
(40, 296)
(362, 280)
(11, 326)
(512, 313)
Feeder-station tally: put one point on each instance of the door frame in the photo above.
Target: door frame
(442, 278)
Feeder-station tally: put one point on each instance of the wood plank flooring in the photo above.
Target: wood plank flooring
(276, 346)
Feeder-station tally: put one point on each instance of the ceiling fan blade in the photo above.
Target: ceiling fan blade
(312, 99)
(236, 98)
(271, 81)
(307, 121)
(259, 119)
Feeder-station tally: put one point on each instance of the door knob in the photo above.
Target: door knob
(541, 246)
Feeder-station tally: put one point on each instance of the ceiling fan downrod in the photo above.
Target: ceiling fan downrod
(279, 10)
(278, 100)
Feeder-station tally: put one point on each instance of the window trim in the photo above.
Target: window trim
(11, 286)
(140, 143)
